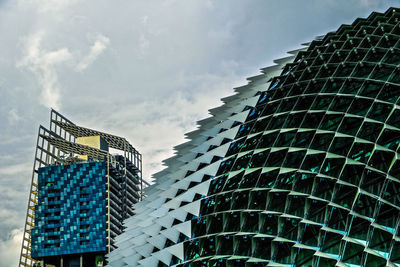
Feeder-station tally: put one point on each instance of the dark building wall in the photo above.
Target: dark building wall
(70, 216)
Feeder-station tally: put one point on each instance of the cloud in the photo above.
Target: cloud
(162, 66)
(13, 116)
(43, 64)
(16, 168)
(96, 49)
(10, 248)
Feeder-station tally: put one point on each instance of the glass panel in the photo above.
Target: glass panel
(304, 103)
(268, 140)
(331, 243)
(341, 145)
(341, 103)
(363, 70)
(360, 106)
(381, 73)
(289, 228)
(394, 119)
(267, 179)
(269, 224)
(242, 162)
(380, 111)
(370, 131)
(324, 187)
(240, 200)
(359, 228)
(312, 120)
(331, 122)
(381, 160)
(250, 180)
(214, 223)
(276, 201)
(231, 221)
(391, 192)
(207, 246)
(260, 125)
(304, 182)
(294, 159)
(353, 253)
(282, 252)
(373, 181)
(322, 141)
(285, 180)
(296, 205)
(223, 202)
(333, 166)
(345, 195)
(390, 139)
(310, 235)
(389, 93)
(361, 152)
(285, 138)
(242, 245)
(371, 89)
(275, 158)
(294, 120)
(365, 205)
(333, 85)
(322, 102)
(313, 162)
(316, 212)
(233, 182)
(337, 218)
(350, 125)
(277, 122)
(258, 199)
(249, 222)
(251, 143)
(224, 245)
(387, 216)
(381, 241)
(352, 173)
(262, 247)
(303, 139)
(244, 129)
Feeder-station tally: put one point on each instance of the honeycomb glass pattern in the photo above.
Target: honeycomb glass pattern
(70, 214)
(313, 175)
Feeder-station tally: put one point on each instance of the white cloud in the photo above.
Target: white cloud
(13, 116)
(45, 6)
(96, 49)
(15, 169)
(10, 248)
(42, 64)
(163, 65)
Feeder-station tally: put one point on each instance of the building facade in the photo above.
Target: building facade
(299, 168)
(80, 195)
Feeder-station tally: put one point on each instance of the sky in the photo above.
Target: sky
(145, 70)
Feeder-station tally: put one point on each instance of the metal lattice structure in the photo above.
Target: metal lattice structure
(55, 145)
(300, 168)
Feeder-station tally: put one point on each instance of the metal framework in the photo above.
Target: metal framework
(59, 141)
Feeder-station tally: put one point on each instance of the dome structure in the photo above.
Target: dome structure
(299, 168)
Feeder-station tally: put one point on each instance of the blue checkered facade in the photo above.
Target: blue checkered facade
(70, 216)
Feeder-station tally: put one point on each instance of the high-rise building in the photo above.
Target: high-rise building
(80, 195)
(299, 168)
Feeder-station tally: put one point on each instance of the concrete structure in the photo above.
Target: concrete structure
(299, 168)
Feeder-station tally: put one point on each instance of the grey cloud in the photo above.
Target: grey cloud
(141, 69)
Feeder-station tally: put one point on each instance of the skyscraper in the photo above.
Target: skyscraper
(80, 195)
(299, 168)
